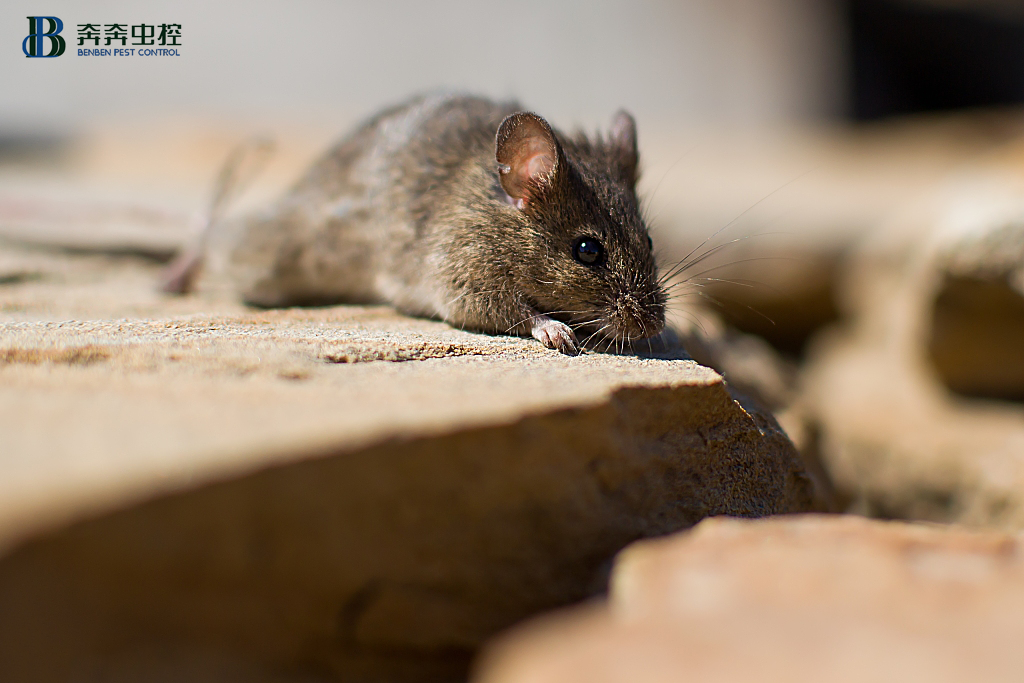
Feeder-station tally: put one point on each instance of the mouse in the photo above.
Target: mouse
(467, 210)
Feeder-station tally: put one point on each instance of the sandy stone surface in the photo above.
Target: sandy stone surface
(193, 489)
(824, 599)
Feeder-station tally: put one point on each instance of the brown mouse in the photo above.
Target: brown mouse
(466, 210)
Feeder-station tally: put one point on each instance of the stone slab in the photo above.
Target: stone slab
(196, 490)
(804, 598)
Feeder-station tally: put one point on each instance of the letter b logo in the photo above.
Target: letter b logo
(33, 44)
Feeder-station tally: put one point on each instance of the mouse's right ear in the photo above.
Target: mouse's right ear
(623, 141)
(528, 156)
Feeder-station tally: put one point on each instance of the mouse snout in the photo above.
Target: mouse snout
(632, 320)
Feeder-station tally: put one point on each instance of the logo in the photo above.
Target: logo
(103, 40)
(35, 43)
(167, 36)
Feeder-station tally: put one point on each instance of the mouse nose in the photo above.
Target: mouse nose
(635, 321)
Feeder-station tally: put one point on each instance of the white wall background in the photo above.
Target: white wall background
(693, 61)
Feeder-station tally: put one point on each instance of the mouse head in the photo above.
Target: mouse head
(587, 257)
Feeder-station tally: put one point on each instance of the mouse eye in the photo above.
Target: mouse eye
(650, 242)
(588, 251)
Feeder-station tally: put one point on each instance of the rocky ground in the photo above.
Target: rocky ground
(799, 599)
(195, 490)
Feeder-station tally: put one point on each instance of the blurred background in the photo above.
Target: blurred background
(733, 61)
(739, 60)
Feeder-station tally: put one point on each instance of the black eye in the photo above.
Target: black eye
(588, 251)
(650, 242)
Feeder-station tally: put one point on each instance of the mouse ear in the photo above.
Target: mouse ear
(527, 155)
(622, 138)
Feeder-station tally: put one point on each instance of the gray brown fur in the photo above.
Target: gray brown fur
(410, 210)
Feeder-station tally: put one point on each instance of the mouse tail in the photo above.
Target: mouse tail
(240, 168)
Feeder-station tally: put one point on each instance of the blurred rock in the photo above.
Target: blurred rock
(976, 338)
(767, 218)
(746, 361)
(815, 599)
(905, 395)
(754, 368)
(190, 490)
(51, 219)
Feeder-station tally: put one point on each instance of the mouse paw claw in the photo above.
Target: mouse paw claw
(554, 335)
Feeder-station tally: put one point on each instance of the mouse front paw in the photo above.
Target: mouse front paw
(554, 334)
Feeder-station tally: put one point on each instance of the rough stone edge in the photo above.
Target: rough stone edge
(618, 399)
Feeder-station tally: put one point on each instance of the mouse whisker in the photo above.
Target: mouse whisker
(682, 290)
(650, 199)
(739, 282)
(721, 304)
(464, 294)
(532, 315)
(745, 260)
(517, 324)
(597, 332)
(578, 327)
(686, 262)
(698, 279)
(589, 337)
(694, 318)
(745, 212)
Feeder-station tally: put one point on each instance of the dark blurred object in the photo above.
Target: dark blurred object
(975, 341)
(32, 148)
(925, 56)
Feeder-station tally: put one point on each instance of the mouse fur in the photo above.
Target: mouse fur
(470, 211)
